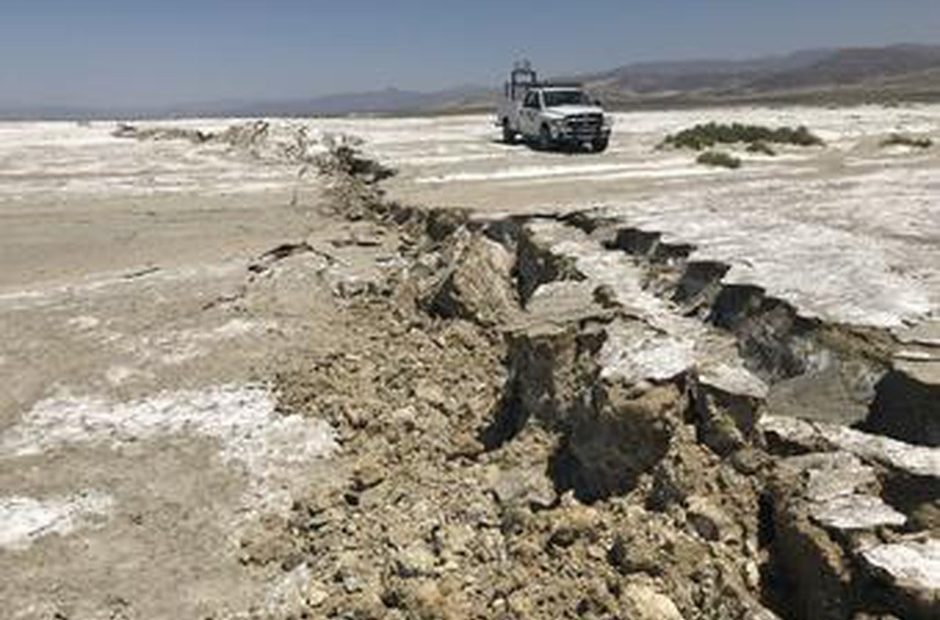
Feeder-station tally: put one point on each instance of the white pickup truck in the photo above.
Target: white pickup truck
(551, 114)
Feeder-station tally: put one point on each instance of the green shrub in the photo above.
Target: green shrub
(761, 147)
(717, 158)
(897, 139)
(708, 135)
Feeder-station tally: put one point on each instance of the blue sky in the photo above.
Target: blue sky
(133, 52)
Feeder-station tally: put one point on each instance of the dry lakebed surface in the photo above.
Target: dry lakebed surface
(242, 377)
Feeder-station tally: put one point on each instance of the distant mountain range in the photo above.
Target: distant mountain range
(848, 75)
(900, 72)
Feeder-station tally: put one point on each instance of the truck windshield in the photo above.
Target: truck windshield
(565, 97)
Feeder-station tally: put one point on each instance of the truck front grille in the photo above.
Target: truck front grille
(584, 125)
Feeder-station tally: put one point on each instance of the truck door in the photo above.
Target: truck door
(529, 114)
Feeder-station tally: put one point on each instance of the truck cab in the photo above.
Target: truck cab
(551, 114)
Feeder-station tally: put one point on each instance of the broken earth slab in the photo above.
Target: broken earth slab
(652, 340)
(829, 509)
(857, 512)
(907, 406)
(795, 260)
(815, 574)
(612, 369)
(595, 353)
(593, 320)
(834, 372)
(802, 435)
(909, 571)
(478, 286)
(572, 277)
(836, 490)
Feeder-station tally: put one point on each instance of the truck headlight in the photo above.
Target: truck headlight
(558, 126)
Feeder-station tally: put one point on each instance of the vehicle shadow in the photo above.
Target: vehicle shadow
(563, 149)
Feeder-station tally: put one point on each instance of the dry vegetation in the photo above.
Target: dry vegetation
(708, 135)
(897, 139)
(719, 159)
(761, 148)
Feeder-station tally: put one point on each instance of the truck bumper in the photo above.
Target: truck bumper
(564, 136)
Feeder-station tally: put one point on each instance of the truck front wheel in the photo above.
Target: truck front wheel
(545, 138)
(599, 145)
(509, 134)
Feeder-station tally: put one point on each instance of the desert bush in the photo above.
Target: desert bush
(761, 148)
(708, 135)
(897, 139)
(718, 158)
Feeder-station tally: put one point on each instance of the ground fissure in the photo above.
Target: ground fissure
(551, 417)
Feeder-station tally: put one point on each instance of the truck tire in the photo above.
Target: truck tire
(599, 145)
(509, 134)
(545, 138)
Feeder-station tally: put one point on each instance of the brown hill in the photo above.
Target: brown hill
(901, 72)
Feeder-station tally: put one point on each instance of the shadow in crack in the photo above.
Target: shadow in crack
(608, 446)
(905, 409)
(776, 590)
(509, 419)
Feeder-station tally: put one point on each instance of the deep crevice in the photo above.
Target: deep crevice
(507, 422)
(905, 409)
(776, 590)
(535, 266)
(775, 342)
(699, 285)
